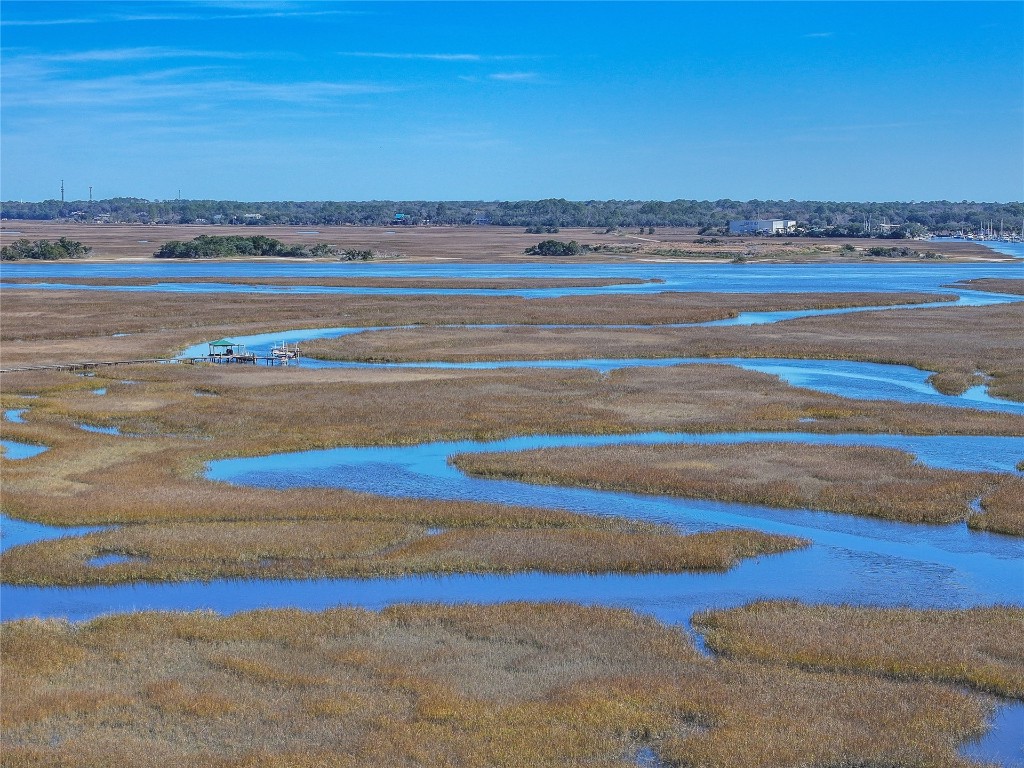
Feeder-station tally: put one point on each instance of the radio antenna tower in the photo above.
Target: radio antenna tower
(62, 190)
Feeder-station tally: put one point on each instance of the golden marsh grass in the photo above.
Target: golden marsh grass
(993, 284)
(981, 647)
(357, 549)
(81, 324)
(953, 341)
(510, 685)
(487, 244)
(1003, 509)
(878, 482)
(489, 284)
(90, 478)
(507, 685)
(182, 526)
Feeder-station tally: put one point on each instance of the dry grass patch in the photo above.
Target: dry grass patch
(956, 342)
(1007, 384)
(993, 284)
(89, 478)
(572, 551)
(80, 325)
(355, 549)
(982, 647)
(957, 382)
(507, 685)
(1003, 508)
(478, 283)
(486, 245)
(878, 482)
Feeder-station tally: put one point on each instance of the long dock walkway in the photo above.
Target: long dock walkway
(85, 366)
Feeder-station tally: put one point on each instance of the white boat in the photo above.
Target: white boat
(284, 351)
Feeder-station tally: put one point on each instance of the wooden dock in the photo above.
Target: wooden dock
(215, 359)
(89, 365)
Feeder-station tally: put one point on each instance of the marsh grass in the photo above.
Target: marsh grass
(1007, 384)
(993, 284)
(491, 284)
(347, 549)
(981, 647)
(486, 245)
(155, 478)
(80, 326)
(956, 382)
(506, 685)
(181, 526)
(877, 482)
(1003, 509)
(955, 342)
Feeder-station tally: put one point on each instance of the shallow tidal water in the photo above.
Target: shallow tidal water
(719, 278)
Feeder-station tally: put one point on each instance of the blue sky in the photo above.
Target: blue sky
(322, 100)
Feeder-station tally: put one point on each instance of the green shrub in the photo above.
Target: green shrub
(554, 248)
(44, 250)
(227, 246)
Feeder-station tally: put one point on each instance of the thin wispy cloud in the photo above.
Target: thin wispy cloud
(191, 16)
(251, 5)
(847, 132)
(134, 54)
(514, 77)
(43, 22)
(469, 57)
(180, 86)
(230, 16)
(122, 92)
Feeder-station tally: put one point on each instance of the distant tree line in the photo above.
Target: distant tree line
(816, 217)
(43, 250)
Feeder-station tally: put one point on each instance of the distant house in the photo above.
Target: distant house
(252, 216)
(759, 226)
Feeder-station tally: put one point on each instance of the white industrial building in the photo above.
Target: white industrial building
(756, 226)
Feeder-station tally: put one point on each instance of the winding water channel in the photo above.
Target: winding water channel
(851, 559)
(718, 278)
